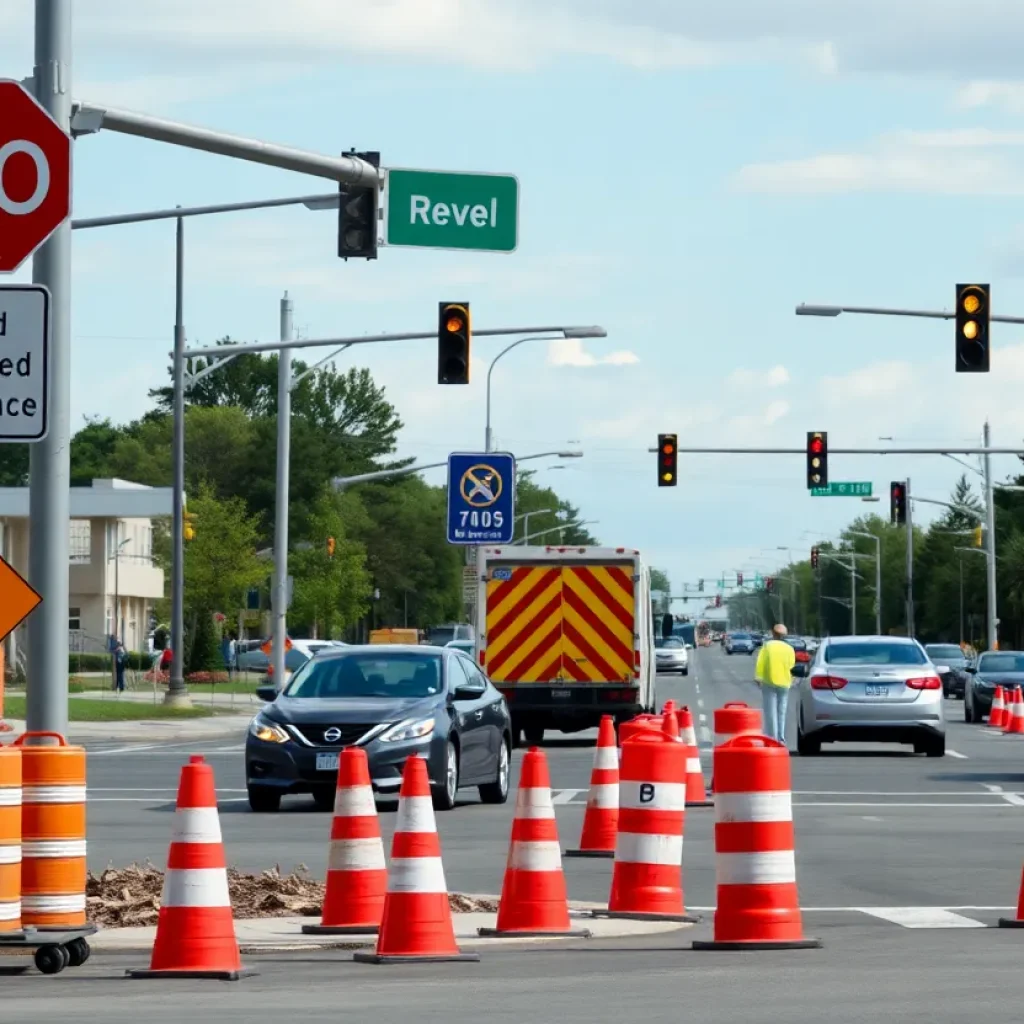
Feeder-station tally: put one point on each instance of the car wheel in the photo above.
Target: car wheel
(264, 800)
(969, 715)
(807, 746)
(496, 792)
(444, 794)
(324, 799)
(534, 735)
(686, 671)
(931, 746)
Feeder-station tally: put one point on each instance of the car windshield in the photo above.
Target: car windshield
(796, 642)
(945, 652)
(741, 636)
(852, 653)
(670, 641)
(1002, 662)
(366, 674)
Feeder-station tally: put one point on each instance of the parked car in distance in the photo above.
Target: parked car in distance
(873, 689)
(301, 651)
(671, 655)
(394, 702)
(739, 643)
(799, 645)
(994, 668)
(951, 664)
(466, 646)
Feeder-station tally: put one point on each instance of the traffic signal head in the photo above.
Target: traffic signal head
(718, 600)
(817, 459)
(769, 584)
(357, 216)
(739, 579)
(453, 343)
(668, 460)
(979, 536)
(814, 558)
(700, 586)
(188, 526)
(330, 547)
(898, 502)
(973, 311)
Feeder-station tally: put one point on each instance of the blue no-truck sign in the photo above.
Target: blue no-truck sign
(481, 497)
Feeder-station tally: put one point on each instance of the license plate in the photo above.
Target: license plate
(326, 762)
(876, 691)
(561, 694)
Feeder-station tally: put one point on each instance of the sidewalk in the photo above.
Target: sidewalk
(151, 729)
(243, 701)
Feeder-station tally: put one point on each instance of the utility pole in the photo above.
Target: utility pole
(853, 597)
(910, 563)
(990, 545)
(284, 438)
(50, 459)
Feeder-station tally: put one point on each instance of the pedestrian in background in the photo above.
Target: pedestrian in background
(120, 663)
(774, 674)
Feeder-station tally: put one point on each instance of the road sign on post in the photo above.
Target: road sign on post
(17, 601)
(850, 489)
(451, 210)
(24, 362)
(35, 175)
(481, 497)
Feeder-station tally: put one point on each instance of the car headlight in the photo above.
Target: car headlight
(409, 729)
(268, 731)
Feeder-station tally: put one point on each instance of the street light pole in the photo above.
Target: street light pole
(488, 434)
(284, 420)
(878, 575)
(910, 563)
(990, 546)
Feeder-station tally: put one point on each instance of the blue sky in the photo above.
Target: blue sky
(688, 175)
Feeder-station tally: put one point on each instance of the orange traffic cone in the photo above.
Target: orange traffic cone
(669, 708)
(195, 932)
(1018, 921)
(601, 818)
(533, 898)
(696, 794)
(670, 726)
(417, 922)
(357, 875)
(1015, 726)
(997, 715)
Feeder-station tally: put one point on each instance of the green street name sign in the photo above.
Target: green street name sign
(449, 210)
(860, 489)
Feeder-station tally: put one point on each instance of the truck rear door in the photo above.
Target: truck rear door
(599, 610)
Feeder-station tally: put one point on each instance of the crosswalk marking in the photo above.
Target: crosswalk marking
(921, 917)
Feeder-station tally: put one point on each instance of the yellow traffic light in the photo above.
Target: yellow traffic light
(330, 547)
(978, 536)
(188, 530)
(972, 303)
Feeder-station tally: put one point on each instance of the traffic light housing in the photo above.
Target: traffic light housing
(357, 216)
(188, 526)
(330, 547)
(700, 586)
(718, 600)
(668, 460)
(814, 558)
(973, 313)
(769, 584)
(454, 335)
(979, 536)
(898, 503)
(739, 579)
(817, 459)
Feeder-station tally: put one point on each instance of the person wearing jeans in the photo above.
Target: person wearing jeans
(774, 674)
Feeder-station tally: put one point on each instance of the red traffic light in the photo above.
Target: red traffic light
(817, 445)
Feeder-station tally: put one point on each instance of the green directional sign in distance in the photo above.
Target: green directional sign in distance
(854, 489)
(450, 210)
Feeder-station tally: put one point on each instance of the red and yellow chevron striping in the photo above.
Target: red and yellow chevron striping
(570, 623)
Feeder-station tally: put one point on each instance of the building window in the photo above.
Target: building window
(80, 538)
(74, 618)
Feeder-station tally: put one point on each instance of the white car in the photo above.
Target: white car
(671, 655)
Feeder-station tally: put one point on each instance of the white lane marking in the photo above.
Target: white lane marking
(870, 817)
(702, 718)
(123, 750)
(565, 796)
(845, 803)
(705, 735)
(700, 702)
(1011, 798)
(870, 910)
(873, 792)
(921, 917)
(956, 753)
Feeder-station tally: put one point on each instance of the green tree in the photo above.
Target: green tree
(660, 585)
(548, 514)
(204, 654)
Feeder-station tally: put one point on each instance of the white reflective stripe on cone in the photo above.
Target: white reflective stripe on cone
(10, 911)
(693, 766)
(53, 794)
(605, 795)
(200, 825)
(196, 887)
(542, 855)
(534, 803)
(415, 814)
(776, 867)
(775, 805)
(606, 758)
(354, 802)
(652, 796)
(356, 855)
(68, 904)
(10, 797)
(689, 735)
(416, 874)
(10, 854)
(52, 848)
(639, 848)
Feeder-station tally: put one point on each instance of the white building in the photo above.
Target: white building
(113, 582)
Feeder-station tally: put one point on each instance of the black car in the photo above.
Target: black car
(951, 664)
(994, 668)
(394, 701)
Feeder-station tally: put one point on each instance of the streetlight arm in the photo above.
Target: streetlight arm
(490, 370)
(810, 309)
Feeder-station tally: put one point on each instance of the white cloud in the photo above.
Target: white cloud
(1006, 96)
(743, 379)
(776, 411)
(571, 352)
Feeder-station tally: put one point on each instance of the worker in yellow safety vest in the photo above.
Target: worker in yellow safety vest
(774, 674)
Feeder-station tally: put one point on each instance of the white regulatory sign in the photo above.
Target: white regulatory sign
(24, 362)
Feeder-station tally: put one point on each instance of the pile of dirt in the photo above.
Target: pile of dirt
(126, 897)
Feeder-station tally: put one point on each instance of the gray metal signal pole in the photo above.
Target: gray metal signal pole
(284, 440)
(910, 563)
(990, 545)
(50, 459)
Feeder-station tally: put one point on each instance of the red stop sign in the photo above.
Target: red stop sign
(35, 175)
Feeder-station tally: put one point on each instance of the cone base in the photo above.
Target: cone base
(632, 915)
(340, 929)
(605, 854)
(245, 972)
(532, 933)
(700, 803)
(426, 958)
(735, 946)
(1011, 922)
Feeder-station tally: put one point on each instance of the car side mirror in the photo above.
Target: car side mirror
(972, 669)
(800, 669)
(467, 693)
(266, 693)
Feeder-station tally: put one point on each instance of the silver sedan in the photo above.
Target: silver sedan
(671, 655)
(874, 689)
